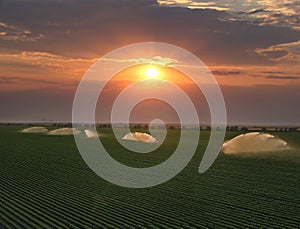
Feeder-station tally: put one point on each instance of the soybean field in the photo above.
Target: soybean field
(44, 183)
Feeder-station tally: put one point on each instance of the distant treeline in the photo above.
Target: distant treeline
(234, 128)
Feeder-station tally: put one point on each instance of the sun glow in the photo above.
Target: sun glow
(151, 73)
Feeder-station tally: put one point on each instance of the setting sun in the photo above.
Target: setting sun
(151, 73)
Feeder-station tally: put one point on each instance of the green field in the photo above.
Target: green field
(44, 183)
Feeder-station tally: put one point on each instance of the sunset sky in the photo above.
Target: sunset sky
(251, 47)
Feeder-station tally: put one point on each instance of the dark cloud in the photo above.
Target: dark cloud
(27, 80)
(92, 28)
(282, 77)
(17, 33)
(272, 12)
(269, 72)
(7, 80)
(273, 54)
(257, 11)
(225, 73)
(275, 76)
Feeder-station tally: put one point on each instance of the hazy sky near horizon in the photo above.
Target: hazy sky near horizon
(251, 47)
